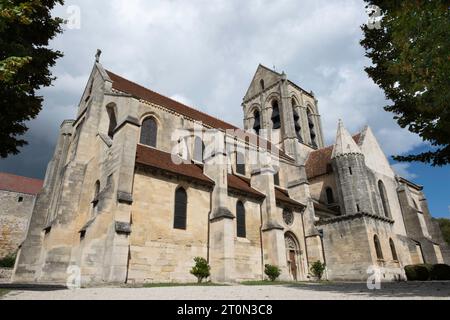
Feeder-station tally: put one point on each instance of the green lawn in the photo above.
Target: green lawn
(168, 285)
(3, 292)
(280, 283)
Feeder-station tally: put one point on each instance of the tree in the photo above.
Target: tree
(201, 269)
(411, 63)
(444, 224)
(26, 27)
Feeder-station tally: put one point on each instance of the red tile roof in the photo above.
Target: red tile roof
(126, 86)
(283, 197)
(163, 160)
(319, 161)
(13, 183)
(243, 184)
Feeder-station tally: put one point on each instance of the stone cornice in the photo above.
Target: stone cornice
(354, 217)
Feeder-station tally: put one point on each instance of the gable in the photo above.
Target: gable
(375, 158)
(270, 78)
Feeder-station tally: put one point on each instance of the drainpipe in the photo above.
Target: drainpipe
(209, 227)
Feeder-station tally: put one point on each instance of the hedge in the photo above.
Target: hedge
(440, 272)
(426, 272)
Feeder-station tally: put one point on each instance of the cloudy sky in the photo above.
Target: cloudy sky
(205, 52)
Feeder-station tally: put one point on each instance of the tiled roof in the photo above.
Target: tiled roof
(319, 161)
(283, 197)
(13, 183)
(162, 160)
(126, 86)
(242, 184)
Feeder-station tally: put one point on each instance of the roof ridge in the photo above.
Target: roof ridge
(164, 96)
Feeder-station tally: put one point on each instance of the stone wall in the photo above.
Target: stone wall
(15, 214)
(5, 275)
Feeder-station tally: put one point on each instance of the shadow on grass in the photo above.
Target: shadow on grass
(3, 292)
(171, 285)
(388, 290)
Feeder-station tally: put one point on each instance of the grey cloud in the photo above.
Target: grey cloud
(205, 53)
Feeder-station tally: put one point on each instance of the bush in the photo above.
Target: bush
(418, 272)
(8, 261)
(317, 269)
(201, 270)
(440, 272)
(272, 272)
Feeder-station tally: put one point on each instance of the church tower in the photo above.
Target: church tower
(281, 111)
(352, 176)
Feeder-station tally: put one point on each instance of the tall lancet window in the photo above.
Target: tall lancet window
(149, 132)
(257, 123)
(298, 127)
(112, 122)
(312, 129)
(276, 119)
(384, 199)
(199, 149)
(240, 220)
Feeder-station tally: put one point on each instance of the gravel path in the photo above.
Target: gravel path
(335, 291)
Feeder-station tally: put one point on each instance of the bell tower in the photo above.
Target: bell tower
(282, 112)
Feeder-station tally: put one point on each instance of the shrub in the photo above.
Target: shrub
(8, 261)
(317, 269)
(440, 272)
(418, 272)
(201, 270)
(272, 272)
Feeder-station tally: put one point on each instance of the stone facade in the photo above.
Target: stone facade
(111, 204)
(17, 198)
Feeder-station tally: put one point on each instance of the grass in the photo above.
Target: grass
(169, 285)
(3, 292)
(280, 283)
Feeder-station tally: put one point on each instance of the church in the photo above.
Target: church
(139, 185)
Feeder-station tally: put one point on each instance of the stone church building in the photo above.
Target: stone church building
(119, 203)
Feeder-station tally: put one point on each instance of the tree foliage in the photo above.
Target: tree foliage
(26, 27)
(317, 269)
(444, 224)
(201, 270)
(272, 272)
(411, 63)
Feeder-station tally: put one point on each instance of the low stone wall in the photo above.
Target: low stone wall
(5, 275)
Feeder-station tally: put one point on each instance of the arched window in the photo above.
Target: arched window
(240, 164)
(112, 122)
(393, 250)
(384, 199)
(199, 149)
(378, 248)
(312, 129)
(263, 85)
(257, 124)
(180, 214)
(240, 219)
(276, 119)
(330, 196)
(149, 132)
(96, 193)
(298, 127)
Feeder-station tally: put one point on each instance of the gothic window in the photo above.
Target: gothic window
(199, 149)
(378, 250)
(384, 199)
(112, 122)
(288, 217)
(240, 219)
(180, 214)
(276, 119)
(263, 86)
(312, 129)
(96, 193)
(393, 250)
(257, 124)
(240, 164)
(276, 178)
(149, 132)
(330, 196)
(298, 127)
